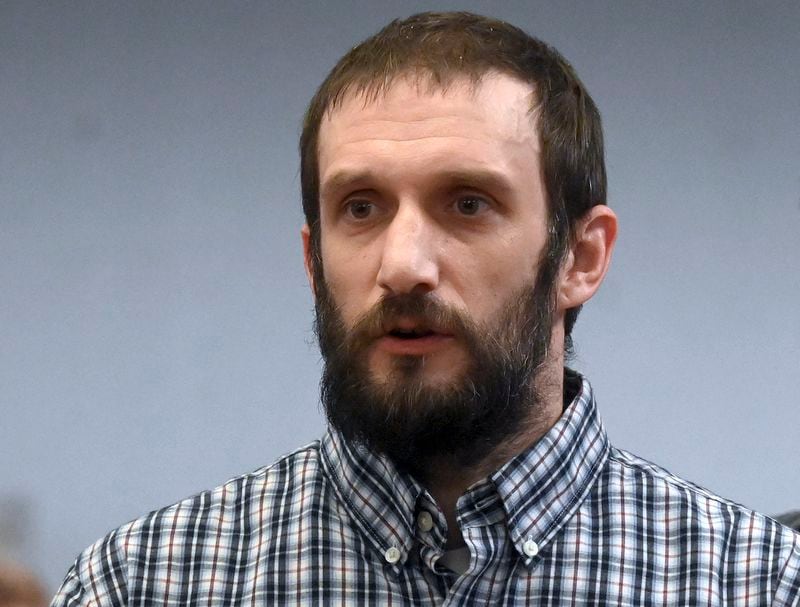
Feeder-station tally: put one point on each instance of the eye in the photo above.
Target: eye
(470, 205)
(359, 209)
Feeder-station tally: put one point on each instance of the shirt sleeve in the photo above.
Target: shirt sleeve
(70, 594)
(97, 579)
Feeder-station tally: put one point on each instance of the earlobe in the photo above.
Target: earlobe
(308, 257)
(588, 258)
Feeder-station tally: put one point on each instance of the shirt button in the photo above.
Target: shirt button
(425, 521)
(530, 547)
(392, 555)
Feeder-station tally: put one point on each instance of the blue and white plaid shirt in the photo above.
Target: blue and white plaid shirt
(571, 521)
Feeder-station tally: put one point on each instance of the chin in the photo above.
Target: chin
(424, 371)
(415, 373)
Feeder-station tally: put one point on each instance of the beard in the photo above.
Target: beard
(412, 421)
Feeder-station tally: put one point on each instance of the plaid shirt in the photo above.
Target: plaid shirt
(571, 521)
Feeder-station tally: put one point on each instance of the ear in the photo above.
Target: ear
(588, 258)
(308, 259)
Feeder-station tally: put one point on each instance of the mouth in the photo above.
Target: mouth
(410, 338)
(414, 333)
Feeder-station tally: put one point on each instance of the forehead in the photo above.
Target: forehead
(489, 118)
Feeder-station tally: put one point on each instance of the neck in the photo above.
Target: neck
(447, 479)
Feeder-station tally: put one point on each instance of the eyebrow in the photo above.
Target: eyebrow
(480, 178)
(345, 178)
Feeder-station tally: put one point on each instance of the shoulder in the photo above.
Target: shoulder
(663, 490)
(662, 486)
(199, 529)
(688, 515)
(233, 506)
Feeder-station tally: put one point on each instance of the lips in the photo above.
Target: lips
(412, 338)
(407, 327)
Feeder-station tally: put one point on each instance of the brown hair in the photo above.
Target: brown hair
(440, 47)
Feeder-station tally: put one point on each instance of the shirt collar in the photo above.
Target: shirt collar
(380, 499)
(542, 487)
(538, 490)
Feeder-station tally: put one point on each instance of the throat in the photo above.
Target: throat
(447, 479)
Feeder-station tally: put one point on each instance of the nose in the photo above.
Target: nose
(408, 262)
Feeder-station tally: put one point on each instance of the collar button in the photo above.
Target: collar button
(530, 548)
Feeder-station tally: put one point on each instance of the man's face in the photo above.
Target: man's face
(433, 221)
(430, 192)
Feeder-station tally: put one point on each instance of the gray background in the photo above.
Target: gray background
(154, 316)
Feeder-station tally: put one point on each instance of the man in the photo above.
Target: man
(454, 192)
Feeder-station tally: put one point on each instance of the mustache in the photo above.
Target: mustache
(425, 310)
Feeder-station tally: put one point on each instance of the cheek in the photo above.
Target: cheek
(506, 270)
(350, 278)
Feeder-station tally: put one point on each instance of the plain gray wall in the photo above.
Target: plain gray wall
(154, 315)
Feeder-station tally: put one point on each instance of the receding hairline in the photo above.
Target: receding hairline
(371, 89)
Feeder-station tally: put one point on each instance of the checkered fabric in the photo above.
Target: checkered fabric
(571, 521)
